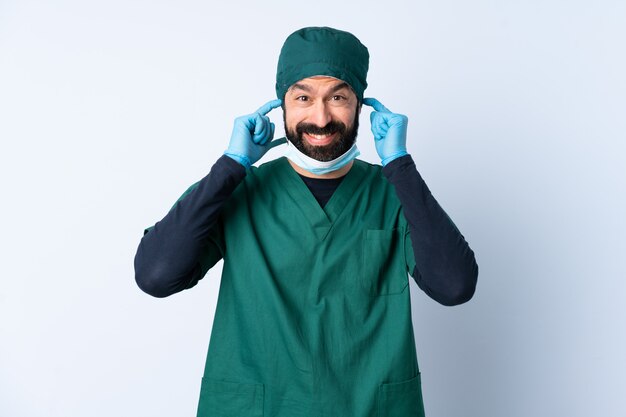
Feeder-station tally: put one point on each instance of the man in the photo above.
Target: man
(313, 315)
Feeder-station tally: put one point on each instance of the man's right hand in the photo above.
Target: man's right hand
(252, 136)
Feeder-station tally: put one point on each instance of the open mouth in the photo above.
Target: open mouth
(319, 140)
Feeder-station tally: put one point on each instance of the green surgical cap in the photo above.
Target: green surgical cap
(322, 51)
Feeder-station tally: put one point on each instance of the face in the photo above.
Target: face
(321, 116)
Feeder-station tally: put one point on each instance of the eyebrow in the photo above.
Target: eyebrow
(304, 87)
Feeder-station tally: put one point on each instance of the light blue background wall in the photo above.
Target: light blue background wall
(109, 110)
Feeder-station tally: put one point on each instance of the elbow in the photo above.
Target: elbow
(151, 275)
(464, 289)
(455, 298)
(158, 279)
(158, 275)
(149, 280)
(459, 288)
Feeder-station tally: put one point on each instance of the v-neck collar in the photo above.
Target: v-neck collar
(321, 219)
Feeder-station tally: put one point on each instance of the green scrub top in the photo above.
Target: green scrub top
(313, 315)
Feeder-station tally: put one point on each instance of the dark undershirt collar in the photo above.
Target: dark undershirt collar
(322, 188)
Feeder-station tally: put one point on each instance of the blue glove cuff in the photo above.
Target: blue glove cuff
(394, 156)
(242, 159)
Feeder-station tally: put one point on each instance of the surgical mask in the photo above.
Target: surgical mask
(320, 167)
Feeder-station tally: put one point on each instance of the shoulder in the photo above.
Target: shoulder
(372, 174)
(267, 177)
(375, 186)
(265, 174)
(268, 168)
(367, 167)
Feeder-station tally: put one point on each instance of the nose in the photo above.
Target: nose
(320, 114)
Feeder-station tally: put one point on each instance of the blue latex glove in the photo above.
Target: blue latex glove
(252, 136)
(389, 131)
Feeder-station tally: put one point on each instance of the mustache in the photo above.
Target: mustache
(332, 127)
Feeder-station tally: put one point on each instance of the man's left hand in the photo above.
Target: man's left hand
(389, 131)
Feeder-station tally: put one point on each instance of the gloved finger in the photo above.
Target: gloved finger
(269, 106)
(375, 125)
(377, 105)
(380, 120)
(387, 118)
(277, 142)
(245, 123)
(373, 118)
(379, 134)
(261, 129)
(380, 127)
(267, 136)
(398, 120)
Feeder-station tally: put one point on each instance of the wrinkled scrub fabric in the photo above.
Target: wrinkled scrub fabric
(313, 315)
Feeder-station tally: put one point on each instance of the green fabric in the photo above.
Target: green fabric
(313, 315)
(322, 51)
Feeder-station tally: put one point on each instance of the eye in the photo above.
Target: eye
(338, 98)
(302, 98)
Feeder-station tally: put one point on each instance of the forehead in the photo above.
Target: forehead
(319, 83)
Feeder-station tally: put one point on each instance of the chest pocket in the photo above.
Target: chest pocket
(383, 270)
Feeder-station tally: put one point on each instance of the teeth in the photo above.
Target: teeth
(320, 137)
